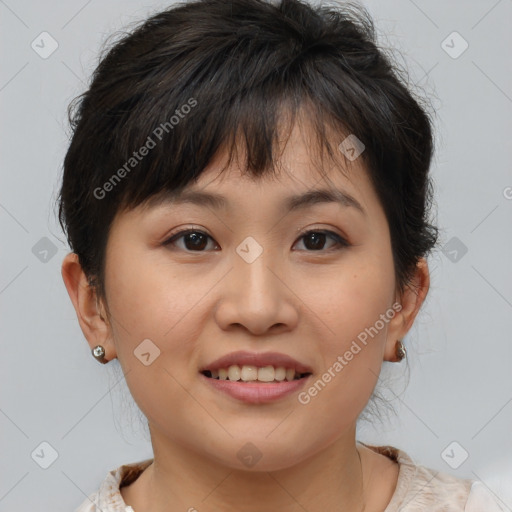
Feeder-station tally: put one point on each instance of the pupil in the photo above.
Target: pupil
(196, 240)
(317, 239)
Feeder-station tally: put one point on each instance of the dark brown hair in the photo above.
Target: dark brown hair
(194, 78)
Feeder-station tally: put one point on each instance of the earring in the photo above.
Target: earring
(400, 350)
(99, 353)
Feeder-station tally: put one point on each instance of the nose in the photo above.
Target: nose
(256, 296)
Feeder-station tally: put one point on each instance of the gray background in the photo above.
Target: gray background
(460, 349)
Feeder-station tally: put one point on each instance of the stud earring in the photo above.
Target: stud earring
(99, 353)
(400, 350)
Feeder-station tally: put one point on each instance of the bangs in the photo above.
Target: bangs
(255, 143)
(250, 127)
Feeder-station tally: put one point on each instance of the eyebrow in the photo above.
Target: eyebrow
(291, 203)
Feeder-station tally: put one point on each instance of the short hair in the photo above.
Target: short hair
(206, 75)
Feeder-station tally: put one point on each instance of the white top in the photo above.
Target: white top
(418, 489)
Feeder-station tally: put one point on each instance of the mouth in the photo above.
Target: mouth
(256, 366)
(251, 373)
(253, 384)
(256, 377)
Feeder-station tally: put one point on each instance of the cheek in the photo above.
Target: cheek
(353, 296)
(349, 310)
(149, 300)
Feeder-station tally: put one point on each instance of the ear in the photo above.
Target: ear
(90, 312)
(411, 301)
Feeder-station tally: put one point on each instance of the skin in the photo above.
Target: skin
(305, 302)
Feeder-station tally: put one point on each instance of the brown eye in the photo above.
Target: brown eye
(194, 240)
(315, 240)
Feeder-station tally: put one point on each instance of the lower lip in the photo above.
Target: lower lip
(256, 392)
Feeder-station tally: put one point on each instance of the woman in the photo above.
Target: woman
(246, 195)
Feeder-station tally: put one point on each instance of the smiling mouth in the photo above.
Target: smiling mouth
(246, 373)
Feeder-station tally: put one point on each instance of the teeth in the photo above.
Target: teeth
(266, 374)
(280, 373)
(234, 372)
(248, 373)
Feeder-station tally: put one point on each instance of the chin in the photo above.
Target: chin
(257, 454)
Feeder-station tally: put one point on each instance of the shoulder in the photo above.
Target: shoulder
(481, 500)
(108, 497)
(420, 488)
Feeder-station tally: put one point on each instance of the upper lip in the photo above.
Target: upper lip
(261, 359)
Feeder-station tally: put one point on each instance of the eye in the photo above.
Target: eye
(195, 240)
(315, 239)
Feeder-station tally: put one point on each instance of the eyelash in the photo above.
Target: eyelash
(341, 242)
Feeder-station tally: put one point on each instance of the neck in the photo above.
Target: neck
(331, 479)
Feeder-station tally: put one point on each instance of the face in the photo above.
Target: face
(247, 277)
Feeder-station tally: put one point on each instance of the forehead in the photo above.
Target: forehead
(301, 176)
(288, 194)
